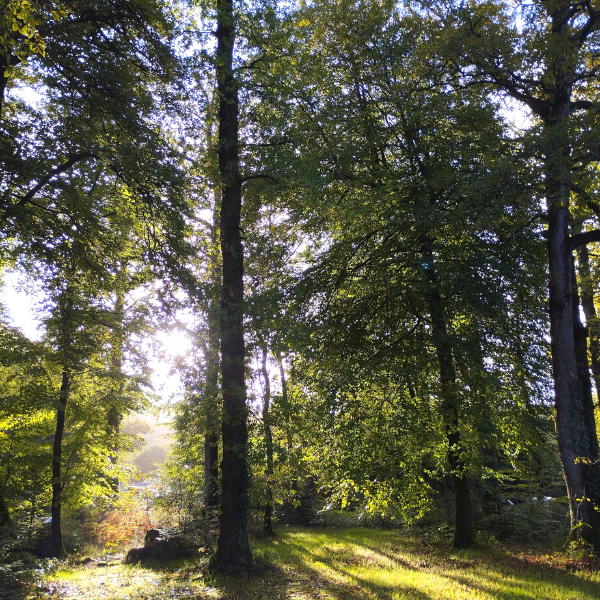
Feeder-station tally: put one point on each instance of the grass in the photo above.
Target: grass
(302, 564)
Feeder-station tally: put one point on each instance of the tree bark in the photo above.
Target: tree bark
(589, 310)
(583, 366)
(578, 452)
(58, 547)
(4, 62)
(464, 528)
(266, 415)
(233, 549)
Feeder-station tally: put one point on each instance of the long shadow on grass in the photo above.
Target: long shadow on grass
(556, 584)
(555, 580)
(520, 580)
(271, 580)
(345, 590)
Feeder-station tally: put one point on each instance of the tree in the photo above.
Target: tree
(414, 271)
(20, 36)
(200, 413)
(544, 55)
(25, 424)
(233, 550)
(110, 48)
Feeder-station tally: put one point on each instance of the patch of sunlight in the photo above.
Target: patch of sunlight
(337, 565)
(367, 563)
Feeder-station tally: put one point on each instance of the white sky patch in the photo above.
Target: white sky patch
(165, 380)
(517, 116)
(22, 301)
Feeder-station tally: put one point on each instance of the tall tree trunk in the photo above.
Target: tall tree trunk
(266, 415)
(464, 528)
(233, 549)
(58, 547)
(4, 511)
(211, 437)
(113, 422)
(583, 366)
(6, 60)
(285, 403)
(589, 310)
(576, 449)
(578, 452)
(289, 507)
(114, 416)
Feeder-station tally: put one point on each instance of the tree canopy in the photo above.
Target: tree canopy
(377, 221)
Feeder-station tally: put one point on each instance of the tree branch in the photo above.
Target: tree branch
(57, 171)
(246, 178)
(590, 26)
(580, 105)
(581, 239)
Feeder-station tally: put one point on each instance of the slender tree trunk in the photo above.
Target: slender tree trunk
(266, 415)
(211, 437)
(583, 366)
(293, 482)
(4, 64)
(286, 405)
(4, 512)
(464, 528)
(211, 470)
(58, 547)
(114, 415)
(233, 550)
(589, 310)
(113, 421)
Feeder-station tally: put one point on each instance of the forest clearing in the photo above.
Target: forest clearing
(363, 236)
(334, 564)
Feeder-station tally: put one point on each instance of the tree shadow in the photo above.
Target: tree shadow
(507, 570)
(344, 590)
(342, 567)
(506, 567)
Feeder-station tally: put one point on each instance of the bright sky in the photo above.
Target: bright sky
(22, 308)
(21, 304)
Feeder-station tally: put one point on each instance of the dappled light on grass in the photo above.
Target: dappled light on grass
(380, 564)
(351, 564)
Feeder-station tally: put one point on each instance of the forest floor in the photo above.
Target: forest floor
(343, 564)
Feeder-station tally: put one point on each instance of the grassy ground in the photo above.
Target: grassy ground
(345, 564)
